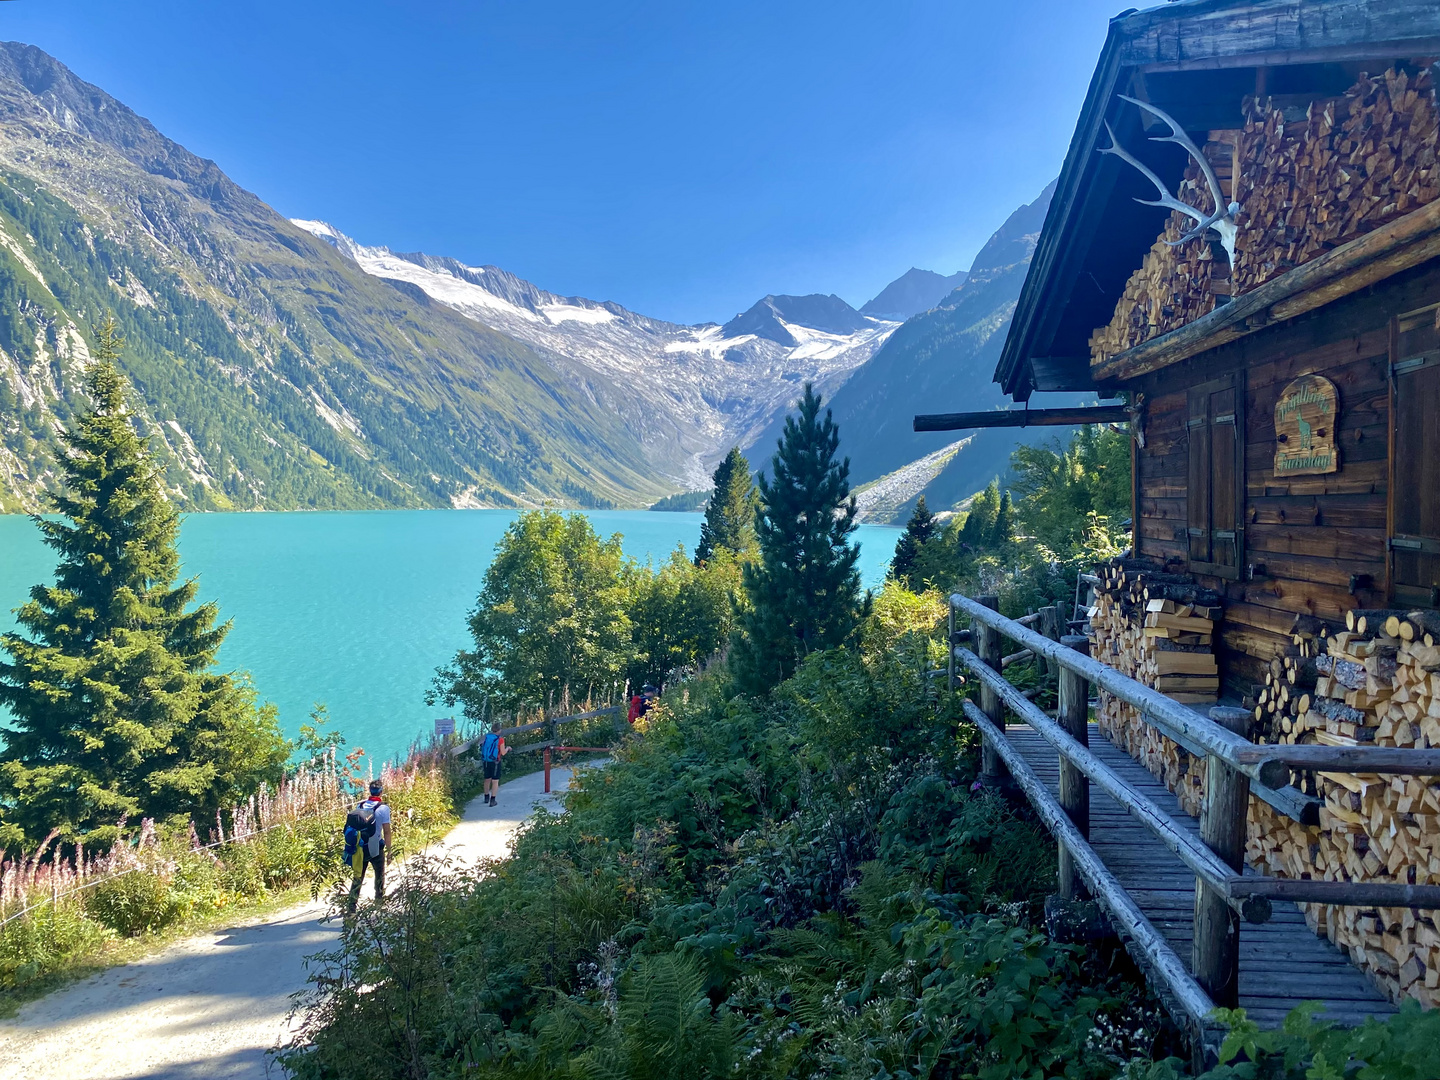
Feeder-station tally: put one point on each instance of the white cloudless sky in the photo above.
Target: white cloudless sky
(682, 159)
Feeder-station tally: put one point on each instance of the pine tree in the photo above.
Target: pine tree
(919, 530)
(805, 591)
(116, 713)
(980, 518)
(730, 518)
(1004, 525)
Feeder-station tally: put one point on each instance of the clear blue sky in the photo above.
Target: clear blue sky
(680, 158)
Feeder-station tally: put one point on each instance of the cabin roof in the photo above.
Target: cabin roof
(1197, 60)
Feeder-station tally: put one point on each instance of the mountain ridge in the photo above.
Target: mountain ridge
(278, 364)
(913, 292)
(942, 359)
(688, 392)
(265, 370)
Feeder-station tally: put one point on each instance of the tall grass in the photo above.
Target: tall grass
(61, 907)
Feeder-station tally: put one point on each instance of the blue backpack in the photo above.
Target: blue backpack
(359, 828)
(490, 748)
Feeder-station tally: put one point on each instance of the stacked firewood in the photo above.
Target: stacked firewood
(1351, 165)
(1376, 682)
(1306, 185)
(1158, 628)
(1281, 705)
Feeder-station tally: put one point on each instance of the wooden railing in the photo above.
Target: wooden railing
(1235, 768)
(547, 725)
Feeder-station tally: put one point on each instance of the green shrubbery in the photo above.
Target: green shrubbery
(1064, 511)
(135, 903)
(795, 886)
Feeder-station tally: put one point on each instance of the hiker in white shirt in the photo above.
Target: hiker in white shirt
(371, 819)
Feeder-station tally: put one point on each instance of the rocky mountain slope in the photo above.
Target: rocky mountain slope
(911, 293)
(281, 365)
(942, 360)
(267, 368)
(689, 393)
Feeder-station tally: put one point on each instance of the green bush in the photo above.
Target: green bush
(136, 903)
(44, 940)
(797, 886)
(1304, 1048)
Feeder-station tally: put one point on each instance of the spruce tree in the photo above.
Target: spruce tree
(1004, 526)
(805, 590)
(115, 711)
(730, 518)
(919, 530)
(980, 519)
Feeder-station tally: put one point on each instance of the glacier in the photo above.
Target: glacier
(691, 391)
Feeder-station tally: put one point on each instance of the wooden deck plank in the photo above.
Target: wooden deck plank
(1282, 962)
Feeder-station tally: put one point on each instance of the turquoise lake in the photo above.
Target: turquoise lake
(356, 610)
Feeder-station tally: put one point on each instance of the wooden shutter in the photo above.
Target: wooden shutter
(1215, 493)
(1415, 459)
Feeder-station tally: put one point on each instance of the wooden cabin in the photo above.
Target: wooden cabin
(1244, 247)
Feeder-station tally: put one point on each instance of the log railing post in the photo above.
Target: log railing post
(1074, 717)
(950, 647)
(989, 647)
(1216, 957)
(1050, 628)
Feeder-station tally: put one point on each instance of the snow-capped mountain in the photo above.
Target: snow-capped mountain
(691, 391)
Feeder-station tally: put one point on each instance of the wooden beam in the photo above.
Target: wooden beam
(1072, 715)
(989, 647)
(1338, 54)
(1061, 373)
(1246, 894)
(1197, 734)
(1197, 36)
(997, 418)
(1406, 242)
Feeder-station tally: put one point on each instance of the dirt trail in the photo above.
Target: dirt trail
(211, 1006)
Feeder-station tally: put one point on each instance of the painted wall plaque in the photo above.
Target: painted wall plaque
(1305, 428)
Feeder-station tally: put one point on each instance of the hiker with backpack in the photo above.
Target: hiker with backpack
(641, 702)
(492, 750)
(367, 835)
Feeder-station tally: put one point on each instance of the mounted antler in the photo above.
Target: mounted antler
(1222, 220)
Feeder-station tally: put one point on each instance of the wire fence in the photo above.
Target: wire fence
(321, 788)
(311, 792)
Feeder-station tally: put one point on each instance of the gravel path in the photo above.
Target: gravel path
(211, 1006)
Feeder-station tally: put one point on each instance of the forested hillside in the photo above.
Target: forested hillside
(267, 368)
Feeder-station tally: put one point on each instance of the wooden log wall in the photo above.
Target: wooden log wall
(1308, 539)
(1351, 165)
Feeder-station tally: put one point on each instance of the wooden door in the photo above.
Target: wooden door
(1415, 459)
(1215, 493)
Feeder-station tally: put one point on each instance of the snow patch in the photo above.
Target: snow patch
(689, 392)
(558, 313)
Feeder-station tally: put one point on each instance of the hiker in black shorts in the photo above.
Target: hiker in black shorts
(492, 752)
